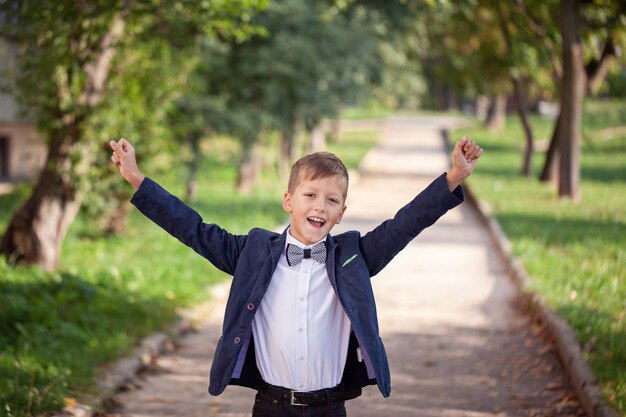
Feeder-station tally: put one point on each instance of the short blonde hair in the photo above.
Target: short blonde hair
(317, 165)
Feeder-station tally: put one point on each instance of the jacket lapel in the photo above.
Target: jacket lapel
(331, 246)
(276, 249)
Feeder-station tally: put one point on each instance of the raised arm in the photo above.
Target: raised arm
(212, 242)
(383, 243)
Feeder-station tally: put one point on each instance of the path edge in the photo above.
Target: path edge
(124, 370)
(570, 353)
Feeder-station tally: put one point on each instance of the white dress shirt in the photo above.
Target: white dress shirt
(301, 332)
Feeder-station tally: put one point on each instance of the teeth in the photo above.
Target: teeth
(317, 219)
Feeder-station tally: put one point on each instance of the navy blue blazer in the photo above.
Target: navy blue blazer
(251, 259)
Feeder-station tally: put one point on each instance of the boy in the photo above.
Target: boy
(300, 324)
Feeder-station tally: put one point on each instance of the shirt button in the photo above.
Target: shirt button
(237, 340)
(250, 306)
(300, 329)
(301, 298)
(301, 358)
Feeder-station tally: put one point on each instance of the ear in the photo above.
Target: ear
(343, 210)
(287, 202)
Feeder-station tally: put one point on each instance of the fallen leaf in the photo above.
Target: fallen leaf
(69, 402)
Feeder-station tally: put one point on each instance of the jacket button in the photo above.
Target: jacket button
(237, 340)
(250, 306)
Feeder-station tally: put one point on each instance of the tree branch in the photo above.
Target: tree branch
(98, 68)
(535, 27)
(597, 69)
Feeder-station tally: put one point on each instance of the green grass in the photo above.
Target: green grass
(575, 253)
(373, 111)
(57, 329)
(601, 114)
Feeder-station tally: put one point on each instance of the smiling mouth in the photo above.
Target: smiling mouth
(316, 221)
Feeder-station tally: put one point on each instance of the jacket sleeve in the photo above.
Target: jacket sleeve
(383, 243)
(212, 242)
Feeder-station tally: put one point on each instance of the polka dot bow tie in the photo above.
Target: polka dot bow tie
(295, 254)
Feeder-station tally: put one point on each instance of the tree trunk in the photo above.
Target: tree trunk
(550, 173)
(496, 115)
(287, 151)
(334, 129)
(572, 95)
(452, 99)
(520, 105)
(596, 71)
(481, 107)
(37, 229)
(317, 139)
(250, 166)
(35, 232)
(439, 98)
(118, 219)
(520, 96)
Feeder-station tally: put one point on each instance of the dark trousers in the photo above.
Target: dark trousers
(266, 406)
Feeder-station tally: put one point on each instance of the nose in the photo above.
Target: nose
(320, 205)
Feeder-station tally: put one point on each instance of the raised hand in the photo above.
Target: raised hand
(464, 158)
(124, 157)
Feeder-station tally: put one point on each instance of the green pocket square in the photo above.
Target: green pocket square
(349, 260)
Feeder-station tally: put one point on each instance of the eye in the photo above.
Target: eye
(334, 201)
(309, 195)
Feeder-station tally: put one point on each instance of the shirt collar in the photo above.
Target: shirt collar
(294, 241)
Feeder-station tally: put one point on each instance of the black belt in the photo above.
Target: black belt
(324, 396)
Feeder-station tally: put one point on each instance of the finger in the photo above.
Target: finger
(469, 147)
(115, 159)
(125, 145)
(475, 154)
(472, 150)
(479, 153)
(459, 145)
(118, 151)
(467, 144)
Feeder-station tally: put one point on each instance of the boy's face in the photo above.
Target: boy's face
(315, 207)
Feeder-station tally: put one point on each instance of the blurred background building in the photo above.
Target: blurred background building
(22, 150)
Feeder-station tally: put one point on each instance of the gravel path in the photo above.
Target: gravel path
(458, 342)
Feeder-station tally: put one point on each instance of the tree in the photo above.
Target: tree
(311, 59)
(526, 60)
(227, 99)
(69, 51)
(318, 57)
(399, 27)
(596, 20)
(136, 108)
(79, 62)
(486, 48)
